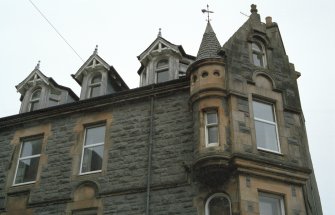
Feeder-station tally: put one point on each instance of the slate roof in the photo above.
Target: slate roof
(210, 45)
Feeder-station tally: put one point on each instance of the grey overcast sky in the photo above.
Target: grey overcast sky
(124, 28)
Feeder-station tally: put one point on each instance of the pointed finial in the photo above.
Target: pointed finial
(96, 49)
(253, 9)
(159, 32)
(38, 65)
(208, 12)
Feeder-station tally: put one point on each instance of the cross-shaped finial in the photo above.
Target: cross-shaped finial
(208, 12)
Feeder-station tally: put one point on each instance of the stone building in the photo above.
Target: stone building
(219, 133)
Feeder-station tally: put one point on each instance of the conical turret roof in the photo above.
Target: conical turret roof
(210, 45)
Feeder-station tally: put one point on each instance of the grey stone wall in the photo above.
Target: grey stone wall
(123, 186)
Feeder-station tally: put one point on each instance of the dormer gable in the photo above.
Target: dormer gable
(97, 78)
(39, 91)
(163, 61)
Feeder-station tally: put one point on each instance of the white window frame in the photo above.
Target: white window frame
(273, 196)
(36, 100)
(213, 196)
(211, 125)
(90, 146)
(267, 122)
(92, 85)
(257, 52)
(25, 158)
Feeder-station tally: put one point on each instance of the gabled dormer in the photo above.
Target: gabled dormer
(38, 91)
(98, 78)
(163, 61)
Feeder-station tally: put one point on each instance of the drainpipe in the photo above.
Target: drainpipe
(150, 153)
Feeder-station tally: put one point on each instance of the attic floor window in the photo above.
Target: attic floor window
(162, 76)
(258, 55)
(95, 86)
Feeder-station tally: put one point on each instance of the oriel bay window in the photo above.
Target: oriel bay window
(211, 128)
(28, 162)
(93, 149)
(265, 126)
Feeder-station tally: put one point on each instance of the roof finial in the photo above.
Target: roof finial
(38, 65)
(96, 49)
(159, 32)
(207, 11)
(253, 9)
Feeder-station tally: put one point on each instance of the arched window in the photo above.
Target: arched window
(218, 204)
(95, 85)
(162, 71)
(258, 54)
(35, 100)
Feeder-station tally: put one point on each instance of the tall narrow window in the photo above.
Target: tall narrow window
(271, 204)
(265, 126)
(35, 100)
(218, 204)
(258, 54)
(211, 131)
(28, 161)
(95, 86)
(93, 149)
(162, 71)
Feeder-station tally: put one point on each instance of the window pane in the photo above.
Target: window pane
(95, 91)
(53, 102)
(95, 135)
(96, 79)
(212, 134)
(92, 159)
(31, 147)
(34, 105)
(162, 76)
(257, 59)
(36, 94)
(256, 47)
(269, 205)
(219, 206)
(263, 111)
(162, 63)
(266, 136)
(27, 170)
(211, 118)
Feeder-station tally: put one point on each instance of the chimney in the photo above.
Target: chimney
(268, 21)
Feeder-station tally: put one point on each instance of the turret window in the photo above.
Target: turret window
(218, 204)
(162, 71)
(265, 126)
(35, 100)
(258, 54)
(271, 204)
(95, 86)
(211, 131)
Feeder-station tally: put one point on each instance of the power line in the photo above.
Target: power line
(55, 29)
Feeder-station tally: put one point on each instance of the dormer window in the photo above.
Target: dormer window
(162, 71)
(258, 54)
(35, 100)
(95, 86)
